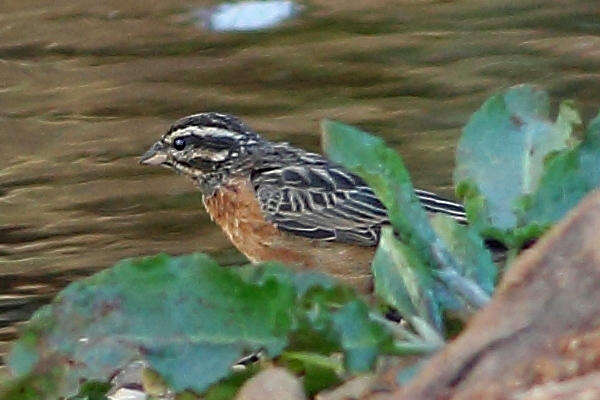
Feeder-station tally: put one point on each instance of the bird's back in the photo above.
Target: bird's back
(306, 195)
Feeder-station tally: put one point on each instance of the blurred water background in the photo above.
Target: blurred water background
(86, 87)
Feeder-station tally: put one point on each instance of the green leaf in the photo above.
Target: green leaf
(502, 151)
(188, 317)
(384, 172)
(567, 178)
(92, 391)
(361, 338)
(466, 245)
(191, 320)
(568, 116)
(24, 356)
(302, 281)
(228, 387)
(320, 372)
(383, 169)
(403, 281)
(44, 384)
(336, 319)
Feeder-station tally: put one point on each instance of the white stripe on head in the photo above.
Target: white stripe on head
(219, 132)
(203, 131)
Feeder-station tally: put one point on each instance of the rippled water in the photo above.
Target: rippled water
(85, 88)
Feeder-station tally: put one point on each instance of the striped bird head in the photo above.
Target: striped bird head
(206, 147)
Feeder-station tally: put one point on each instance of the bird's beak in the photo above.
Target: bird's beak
(156, 155)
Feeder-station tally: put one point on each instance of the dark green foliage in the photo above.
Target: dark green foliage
(502, 149)
(93, 391)
(383, 169)
(403, 281)
(517, 171)
(190, 319)
(567, 178)
(228, 387)
(361, 341)
(34, 386)
(467, 246)
(319, 372)
(424, 272)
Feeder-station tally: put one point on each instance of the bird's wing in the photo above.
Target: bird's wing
(328, 203)
(436, 204)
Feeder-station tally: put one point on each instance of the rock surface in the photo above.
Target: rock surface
(539, 338)
(272, 384)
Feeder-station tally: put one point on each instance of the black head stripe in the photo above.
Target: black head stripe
(209, 142)
(218, 142)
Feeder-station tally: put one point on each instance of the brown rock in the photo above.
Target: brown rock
(583, 388)
(272, 384)
(539, 338)
(352, 389)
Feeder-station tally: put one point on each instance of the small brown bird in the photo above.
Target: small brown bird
(277, 202)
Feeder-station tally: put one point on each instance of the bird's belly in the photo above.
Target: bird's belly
(235, 208)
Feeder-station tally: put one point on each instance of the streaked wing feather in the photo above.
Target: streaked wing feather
(325, 202)
(436, 204)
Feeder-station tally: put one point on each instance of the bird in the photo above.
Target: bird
(277, 202)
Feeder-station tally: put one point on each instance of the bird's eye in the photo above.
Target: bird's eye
(179, 144)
